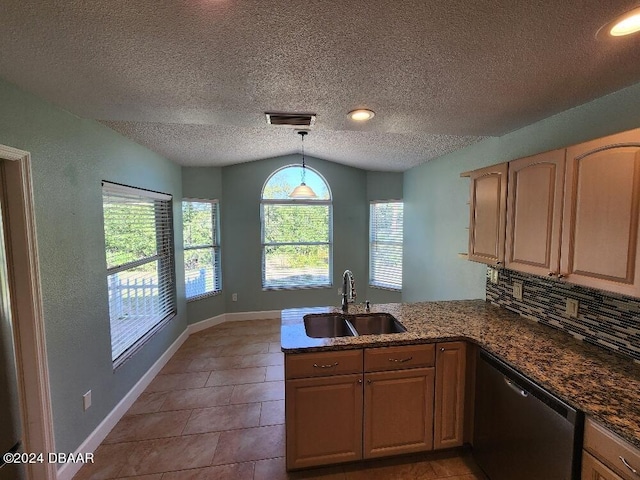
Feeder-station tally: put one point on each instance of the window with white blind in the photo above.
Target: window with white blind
(138, 233)
(385, 244)
(296, 233)
(201, 232)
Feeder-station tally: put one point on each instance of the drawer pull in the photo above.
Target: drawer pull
(315, 365)
(626, 464)
(397, 360)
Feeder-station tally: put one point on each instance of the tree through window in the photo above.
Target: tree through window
(296, 233)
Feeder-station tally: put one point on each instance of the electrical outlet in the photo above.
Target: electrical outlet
(86, 400)
(517, 290)
(492, 273)
(572, 307)
(234, 297)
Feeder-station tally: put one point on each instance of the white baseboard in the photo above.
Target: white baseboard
(204, 324)
(242, 316)
(68, 470)
(232, 317)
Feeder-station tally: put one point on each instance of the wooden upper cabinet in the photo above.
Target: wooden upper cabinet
(534, 213)
(487, 221)
(600, 217)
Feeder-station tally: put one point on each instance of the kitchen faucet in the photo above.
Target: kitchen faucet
(348, 289)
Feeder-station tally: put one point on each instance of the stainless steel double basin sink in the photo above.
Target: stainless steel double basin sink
(329, 325)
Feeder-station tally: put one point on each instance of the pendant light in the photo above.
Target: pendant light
(303, 190)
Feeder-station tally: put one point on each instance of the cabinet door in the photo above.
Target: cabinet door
(449, 400)
(398, 412)
(600, 218)
(488, 214)
(592, 469)
(534, 213)
(323, 420)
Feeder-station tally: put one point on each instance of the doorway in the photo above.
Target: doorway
(26, 309)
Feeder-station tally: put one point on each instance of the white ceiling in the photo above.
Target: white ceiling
(191, 79)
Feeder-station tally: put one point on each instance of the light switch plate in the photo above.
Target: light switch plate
(572, 307)
(86, 400)
(517, 290)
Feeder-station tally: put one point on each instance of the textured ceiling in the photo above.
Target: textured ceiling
(192, 79)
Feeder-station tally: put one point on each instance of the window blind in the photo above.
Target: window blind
(296, 241)
(138, 234)
(385, 244)
(202, 260)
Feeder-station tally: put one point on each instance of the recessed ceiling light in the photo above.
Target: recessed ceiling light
(625, 24)
(361, 115)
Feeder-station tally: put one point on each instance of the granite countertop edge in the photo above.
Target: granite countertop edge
(603, 385)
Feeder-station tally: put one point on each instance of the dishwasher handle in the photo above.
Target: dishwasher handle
(515, 387)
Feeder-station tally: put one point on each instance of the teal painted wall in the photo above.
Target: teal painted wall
(204, 183)
(384, 185)
(239, 187)
(242, 260)
(436, 213)
(70, 157)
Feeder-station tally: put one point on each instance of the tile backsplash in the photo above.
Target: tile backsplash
(605, 319)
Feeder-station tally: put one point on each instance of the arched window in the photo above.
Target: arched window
(296, 233)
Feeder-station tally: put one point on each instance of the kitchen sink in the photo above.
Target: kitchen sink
(376, 323)
(328, 325)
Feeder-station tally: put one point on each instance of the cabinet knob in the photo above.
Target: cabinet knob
(551, 274)
(360, 381)
(368, 382)
(560, 275)
(442, 349)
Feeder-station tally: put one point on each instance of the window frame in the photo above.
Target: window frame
(164, 256)
(290, 201)
(216, 246)
(380, 285)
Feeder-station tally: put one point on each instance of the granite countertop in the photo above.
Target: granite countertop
(603, 385)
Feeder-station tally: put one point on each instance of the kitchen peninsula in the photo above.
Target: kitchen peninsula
(605, 386)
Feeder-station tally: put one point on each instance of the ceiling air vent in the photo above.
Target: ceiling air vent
(291, 119)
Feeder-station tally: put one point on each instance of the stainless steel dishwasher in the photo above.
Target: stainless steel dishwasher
(522, 432)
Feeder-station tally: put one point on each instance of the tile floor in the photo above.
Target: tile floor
(216, 411)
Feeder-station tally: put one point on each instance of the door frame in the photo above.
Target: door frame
(27, 310)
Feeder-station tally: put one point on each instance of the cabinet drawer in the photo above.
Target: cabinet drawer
(396, 358)
(592, 469)
(611, 450)
(322, 364)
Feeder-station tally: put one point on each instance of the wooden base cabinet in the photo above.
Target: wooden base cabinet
(398, 412)
(385, 401)
(323, 420)
(607, 456)
(592, 469)
(449, 395)
(323, 407)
